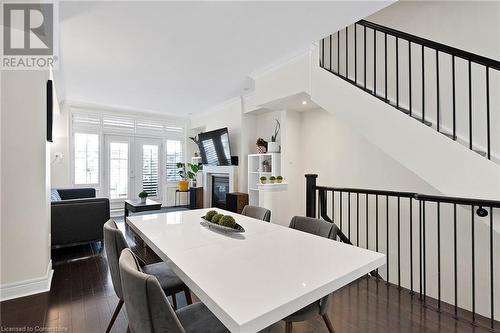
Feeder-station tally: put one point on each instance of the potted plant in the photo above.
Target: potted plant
(279, 179)
(273, 146)
(261, 146)
(143, 195)
(263, 180)
(187, 172)
(272, 179)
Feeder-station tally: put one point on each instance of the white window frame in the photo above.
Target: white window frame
(134, 134)
(97, 185)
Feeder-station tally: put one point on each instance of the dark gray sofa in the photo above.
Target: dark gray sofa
(77, 216)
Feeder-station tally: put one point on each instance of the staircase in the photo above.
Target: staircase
(445, 88)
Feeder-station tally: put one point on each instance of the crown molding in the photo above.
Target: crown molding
(118, 109)
(289, 59)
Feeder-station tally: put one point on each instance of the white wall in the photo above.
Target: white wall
(60, 167)
(25, 227)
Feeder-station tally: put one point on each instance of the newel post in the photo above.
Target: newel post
(311, 195)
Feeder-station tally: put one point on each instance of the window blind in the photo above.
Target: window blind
(150, 169)
(174, 155)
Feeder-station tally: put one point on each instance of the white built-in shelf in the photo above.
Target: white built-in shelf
(272, 187)
(265, 154)
(256, 163)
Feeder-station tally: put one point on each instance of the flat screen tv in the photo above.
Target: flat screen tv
(50, 109)
(214, 147)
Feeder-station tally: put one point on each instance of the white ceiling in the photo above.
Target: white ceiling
(184, 57)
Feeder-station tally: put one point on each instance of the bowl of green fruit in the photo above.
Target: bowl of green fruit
(225, 223)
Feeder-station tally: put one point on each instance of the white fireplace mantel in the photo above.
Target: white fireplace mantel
(212, 170)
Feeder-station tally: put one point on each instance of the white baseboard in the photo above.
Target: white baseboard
(27, 287)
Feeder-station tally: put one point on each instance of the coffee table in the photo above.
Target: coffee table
(136, 206)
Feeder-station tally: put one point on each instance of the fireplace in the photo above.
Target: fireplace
(220, 187)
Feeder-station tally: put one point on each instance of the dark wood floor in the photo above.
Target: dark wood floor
(82, 300)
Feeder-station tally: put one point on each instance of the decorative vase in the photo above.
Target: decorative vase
(262, 181)
(143, 200)
(272, 181)
(183, 185)
(261, 149)
(279, 180)
(273, 147)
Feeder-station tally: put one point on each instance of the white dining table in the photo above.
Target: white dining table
(253, 279)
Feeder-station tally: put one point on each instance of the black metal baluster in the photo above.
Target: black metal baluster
(375, 62)
(454, 99)
(347, 52)
(364, 58)
(423, 85)
(333, 208)
(349, 214)
(423, 249)
(399, 242)
(319, 204)
(473, 236)
(409, 75)
(387, 234)
(331, 46)
(492, 297)
(385, 67)
(397, 72)
(470, 105)
(437, 88)
(411, 246)
(357, 219)
(322, 63)
(338, 52)
(366, 219)
(340, 208)
(420, 247)
(355, 54)
(455, 258)
(439, 252)
(488, 112)
(376, 227)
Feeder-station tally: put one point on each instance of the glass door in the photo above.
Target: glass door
(118, 169)
(147, 167)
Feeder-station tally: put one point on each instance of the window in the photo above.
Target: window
(86, 158)
(118, 170)
(150, 169)
(174, 155)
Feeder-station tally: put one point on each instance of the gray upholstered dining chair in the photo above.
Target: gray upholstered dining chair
(114, 244)
(148, 308)
(256, 212)
(323, 229)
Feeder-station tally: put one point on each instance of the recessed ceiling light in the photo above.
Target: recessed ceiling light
(304, 102)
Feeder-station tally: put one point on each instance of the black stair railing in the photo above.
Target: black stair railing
(420, 96)
(395, 223)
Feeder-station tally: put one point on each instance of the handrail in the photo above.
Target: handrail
(395, 223)
(434, 45)
(416, 196)
(367, 191)
(459, 201)
(400, 93)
